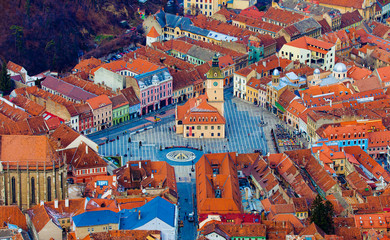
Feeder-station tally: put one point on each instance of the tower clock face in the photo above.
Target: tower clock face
(215, 84)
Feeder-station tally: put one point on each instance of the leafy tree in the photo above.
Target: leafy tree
(322, 214)
(5, 80)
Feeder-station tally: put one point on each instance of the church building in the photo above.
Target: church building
(203, 116)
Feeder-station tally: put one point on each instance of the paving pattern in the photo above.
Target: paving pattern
(244, 134)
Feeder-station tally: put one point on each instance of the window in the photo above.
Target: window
(198, 127)
(48, 189)
(32, 190)
(212, 134)
(13, 189)
(212, 127)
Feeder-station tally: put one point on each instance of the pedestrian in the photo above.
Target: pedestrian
(224, 146)
(128, 149)
(228, 139)
(249, 134)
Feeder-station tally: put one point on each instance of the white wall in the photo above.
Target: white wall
(109, 78)
(167, 232)
(84, 139)
(215, 236)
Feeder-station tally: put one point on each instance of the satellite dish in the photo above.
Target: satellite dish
(20, 230)
(143, 191)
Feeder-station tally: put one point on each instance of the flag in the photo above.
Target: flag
(190, 131)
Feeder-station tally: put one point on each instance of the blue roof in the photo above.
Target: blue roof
(157, 208)
(95, 218)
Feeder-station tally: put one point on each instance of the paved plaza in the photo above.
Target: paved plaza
(244, 134)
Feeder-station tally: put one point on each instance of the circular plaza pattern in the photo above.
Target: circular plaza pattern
(180, 155)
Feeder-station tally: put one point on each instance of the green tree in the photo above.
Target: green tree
(18, 33)
(5, 80)
(322, 214)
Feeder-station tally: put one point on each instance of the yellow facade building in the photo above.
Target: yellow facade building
(203, 116)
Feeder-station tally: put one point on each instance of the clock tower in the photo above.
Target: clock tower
(214, 86)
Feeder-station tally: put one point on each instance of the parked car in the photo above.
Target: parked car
(191, 217)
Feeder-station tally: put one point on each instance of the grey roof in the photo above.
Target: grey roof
(66, 89)
(307, 25)
(301, 6)
(195, 29)
(170, 20)
(147, 78)
(201, 53)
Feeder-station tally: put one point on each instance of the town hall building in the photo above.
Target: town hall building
(203, 116)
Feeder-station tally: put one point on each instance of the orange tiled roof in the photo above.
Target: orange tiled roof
(213, 47)
(12, 215)
(288, 218)
(30, 106)
(359, 184)
(208, 184)
(126, 235)
(137, 66)
(158, 58)
(316, 171)
(358, 73)
(64, 135)
(88, 85)
(84, 67)
(131, 176)
(20, 151)
(153, 33)
(99, 101)
(311, 44)
(39, 217)
(379, 29)
(84, 157)
(14, 67)
(384, 74)
(358, 4)
(198, 111)
(369, 163)
(284, 16)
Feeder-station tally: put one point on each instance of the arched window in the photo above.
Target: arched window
(62, 185)
(48, 189)
(13, 189)
(32, 190)
(199, 119)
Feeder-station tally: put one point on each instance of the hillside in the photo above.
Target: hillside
(49, 34)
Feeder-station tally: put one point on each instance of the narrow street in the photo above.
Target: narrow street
(187, 202)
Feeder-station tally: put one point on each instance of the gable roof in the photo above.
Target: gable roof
(39, 217)
(99, 101)
(310, 43)
(130, 96)
(343, 3)
(350, 18)
(156, 208)
(12, 215)
(95, 218)
(153, 33)
(14, 67)
(118, 101)
(226, 180)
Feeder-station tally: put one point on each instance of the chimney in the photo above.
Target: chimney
(67, 202)
(152, 176)
(56, 203)
(127, 165)
(86, 149)
(42, 203)
(139, 214)
(139, 164)
(135, 55)
(264, 63)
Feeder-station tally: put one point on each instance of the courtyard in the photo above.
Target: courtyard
(244, 134)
